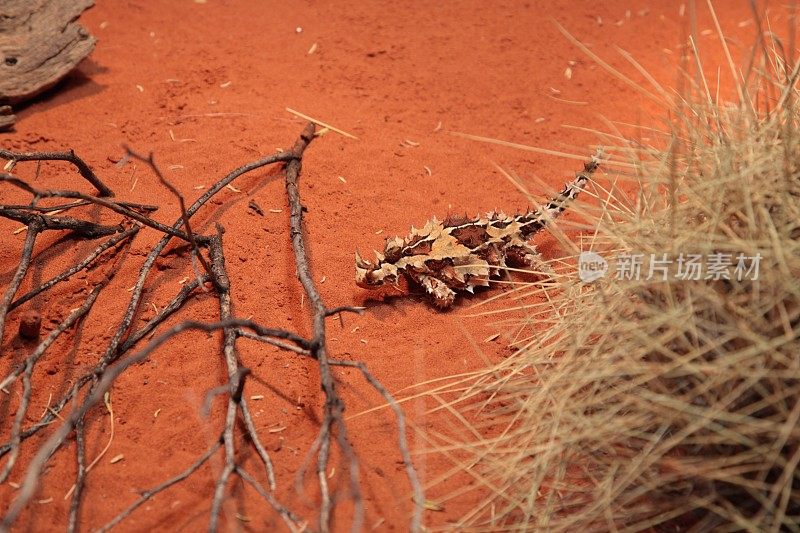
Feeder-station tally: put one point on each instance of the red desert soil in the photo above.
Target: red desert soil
(205, 85)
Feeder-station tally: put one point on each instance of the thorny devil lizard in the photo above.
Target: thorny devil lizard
(459, 253)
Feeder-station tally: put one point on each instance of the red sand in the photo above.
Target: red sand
(205, 86)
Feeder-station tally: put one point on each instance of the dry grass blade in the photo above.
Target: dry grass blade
(653, 400)
(320, 123)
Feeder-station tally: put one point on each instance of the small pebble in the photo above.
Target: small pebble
(30, 324)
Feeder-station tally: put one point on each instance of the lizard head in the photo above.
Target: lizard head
(373, 275)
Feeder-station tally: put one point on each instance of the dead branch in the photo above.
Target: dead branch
(126, 209)
(28, 365)
(334, 407)
(231, 335)
(17, 424)
(151, 162)
(273, 342)
(113, 351)
(25, 260)
(148, 494)
(236, 377)
(235, 374)
(16, 182)
(166, 312)
(117, 208)
(67, 323)
(89, 230)
(145, 208)
(292, 521)
(112, 362)
(80, 477)
(56, 440)
(83, 169)
(113, 241)
(418, 495)
(345, 309)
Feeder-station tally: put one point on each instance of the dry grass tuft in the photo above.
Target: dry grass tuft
(660, 403)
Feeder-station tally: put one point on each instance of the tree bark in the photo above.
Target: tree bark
(40, 43)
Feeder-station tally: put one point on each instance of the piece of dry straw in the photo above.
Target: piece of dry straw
(661, 403)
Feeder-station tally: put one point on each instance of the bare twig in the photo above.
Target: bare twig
(236, 379)
(18, 419)
(291, 520)
(108, 368)
(233, 387)
(56, 439)
(113, 351)
(123, 208)
(17, 182)
(148, 494)
(70, 156)
(129, 233)
(80, 477)
(171, 307)
(90, 230)
(402, 444)
(256, 440)
(418, 496)
(24, 262)
(151, 162)
(117, 208)
(227, 470)
(145, 208)
(273, 342)
(345, 309)
(72, 318)
(28, 365)
(334, 407)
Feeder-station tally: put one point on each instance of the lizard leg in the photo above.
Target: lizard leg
(522, 254)
(443, 296)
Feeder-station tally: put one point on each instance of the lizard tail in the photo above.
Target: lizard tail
(536, 220)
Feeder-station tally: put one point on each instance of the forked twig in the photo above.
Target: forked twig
(292, 521)
(89, 230)
(111, 363)
(148, 494)
(129, 233)
(27, 366)
(80, 164)
(56, 439)
(418, 495)
(333, 419)
(25, 260)
(114, 350)
(236, 377)
(186, 291)
(151, 162)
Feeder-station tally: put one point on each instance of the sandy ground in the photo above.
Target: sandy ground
(205, 86)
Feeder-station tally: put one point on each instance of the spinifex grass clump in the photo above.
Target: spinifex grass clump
(669, 395)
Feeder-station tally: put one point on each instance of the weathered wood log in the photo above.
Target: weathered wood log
(40, 43)
(6, 117)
